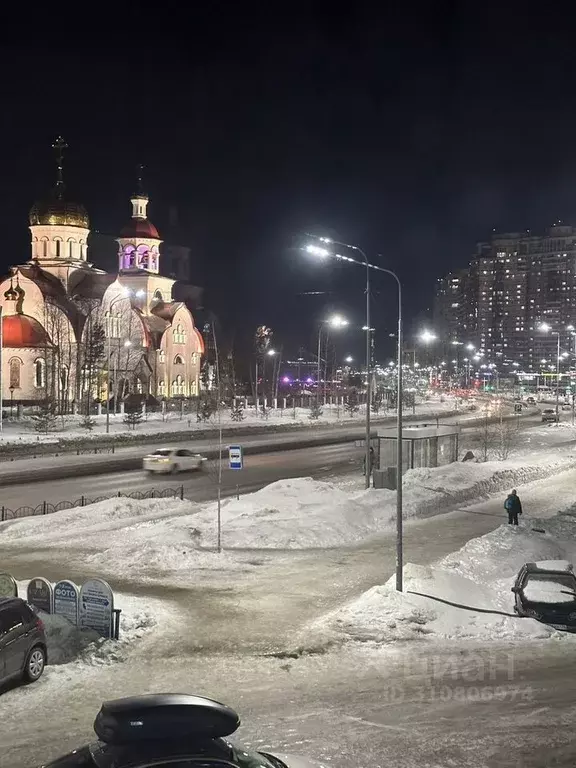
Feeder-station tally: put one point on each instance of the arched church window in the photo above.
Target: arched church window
(179, 335)
(40, 372)
(178, 360)
(58, 246)
(162, 388)
(178, 386)
(44, 247)
(64, 378)
(161, 356)
(112, 325)
(15, 366)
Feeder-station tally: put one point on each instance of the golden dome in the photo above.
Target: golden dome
(59, 212)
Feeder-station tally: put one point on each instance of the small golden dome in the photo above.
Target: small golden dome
(59, 212)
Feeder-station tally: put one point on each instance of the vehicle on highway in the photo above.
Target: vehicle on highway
(547, 592)
(22, 641)
(549, 414)
(173, 730)
(166, 460)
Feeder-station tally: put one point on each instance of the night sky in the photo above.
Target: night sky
(410, 132)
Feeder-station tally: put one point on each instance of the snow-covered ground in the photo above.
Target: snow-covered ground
(68, 427)
(164, 539)
(473, 587)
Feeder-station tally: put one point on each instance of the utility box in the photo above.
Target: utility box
(384, 478)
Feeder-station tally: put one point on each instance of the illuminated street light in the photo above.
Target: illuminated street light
(471, 347)
(324, 252)
(427, 336)
(348, 359)
(317, 250)
(336, 321)
(271, 352)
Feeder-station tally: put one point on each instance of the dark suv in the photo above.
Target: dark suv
(22, 641)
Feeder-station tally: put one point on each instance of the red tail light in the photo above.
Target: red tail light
(39, 624)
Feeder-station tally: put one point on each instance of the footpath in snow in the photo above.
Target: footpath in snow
(479, 577)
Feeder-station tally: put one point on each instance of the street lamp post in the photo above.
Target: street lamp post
(336, 322)
(546, 328)
(325, 252)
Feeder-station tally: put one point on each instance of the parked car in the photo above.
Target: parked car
(547, 592)
(22, 641)
(549, 414)
(531, 400)
(168, 460)
(168, 730)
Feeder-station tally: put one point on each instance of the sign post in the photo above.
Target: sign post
(97, 607)
(66, 595)
(8, 586)
(235, 457)
(40, 594)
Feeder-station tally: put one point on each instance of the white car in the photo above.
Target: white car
(168, 460)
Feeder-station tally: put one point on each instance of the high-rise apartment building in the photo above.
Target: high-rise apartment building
(513, 284)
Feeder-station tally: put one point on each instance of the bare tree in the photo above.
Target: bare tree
(506, 439)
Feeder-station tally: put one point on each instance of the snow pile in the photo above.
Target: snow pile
(67, 643)
(123, 538)
(154, 539)
(464, 595)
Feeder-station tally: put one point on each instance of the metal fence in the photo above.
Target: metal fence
(46, 508)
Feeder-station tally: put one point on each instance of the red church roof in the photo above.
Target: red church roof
(23, 331)
(140, 228)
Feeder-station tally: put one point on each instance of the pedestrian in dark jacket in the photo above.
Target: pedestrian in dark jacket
(513, 506)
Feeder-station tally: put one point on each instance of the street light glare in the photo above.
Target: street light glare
(271, 352)
(337, 321)
(544, 327)
(427, 336)
(348, 359)
(317, 250)
(470, 346)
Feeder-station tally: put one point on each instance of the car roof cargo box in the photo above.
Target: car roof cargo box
(164, 716)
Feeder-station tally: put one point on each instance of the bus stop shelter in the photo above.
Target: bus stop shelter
(423, 445)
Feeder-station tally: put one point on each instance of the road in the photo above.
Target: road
(259, 470)
(419, 704)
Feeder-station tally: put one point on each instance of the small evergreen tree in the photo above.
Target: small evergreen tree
(376, 402)
(132, 414)
(351, 405)
(45, 419)
(237, 412)
(87, 422)
(315, 411)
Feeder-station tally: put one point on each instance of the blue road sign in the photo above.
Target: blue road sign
(236, 460)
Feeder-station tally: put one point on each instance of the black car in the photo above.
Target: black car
(22, 641)
(171, 730)
(546, 594)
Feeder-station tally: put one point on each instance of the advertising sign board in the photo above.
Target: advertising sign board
(66, 595)
(8, 586)
(97, 606)
(40, 594)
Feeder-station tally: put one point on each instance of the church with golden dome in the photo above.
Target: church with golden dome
(73, 333)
